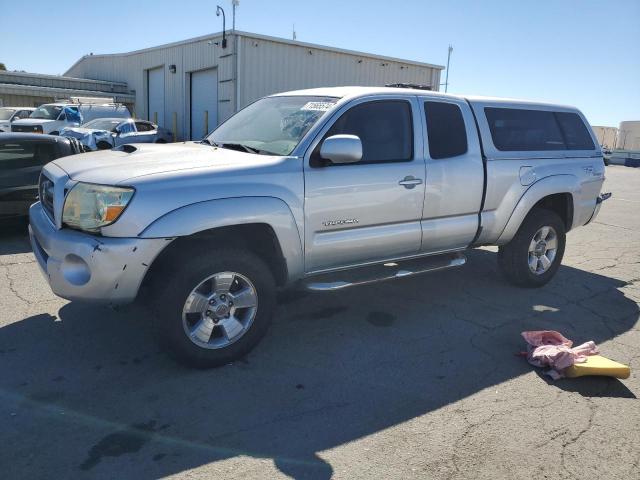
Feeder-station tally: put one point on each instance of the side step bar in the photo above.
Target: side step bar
(380, 272)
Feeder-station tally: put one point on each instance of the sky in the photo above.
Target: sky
(584, 53)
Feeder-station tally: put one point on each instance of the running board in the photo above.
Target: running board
(380, 272)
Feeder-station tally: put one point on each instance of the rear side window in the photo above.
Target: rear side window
(23, 155)
(445, 129)
(537, 130)
(524, 130)
(384, 127)
(576, 135)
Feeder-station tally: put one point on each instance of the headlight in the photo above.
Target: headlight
(90, 207)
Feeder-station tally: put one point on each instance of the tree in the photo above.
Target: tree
(2, 66)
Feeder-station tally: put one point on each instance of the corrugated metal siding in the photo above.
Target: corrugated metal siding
(55, 81)
(23, 100)
(265, 66)
(269, 67)
(190, 57)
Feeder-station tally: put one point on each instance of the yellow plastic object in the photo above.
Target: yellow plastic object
(598, 365)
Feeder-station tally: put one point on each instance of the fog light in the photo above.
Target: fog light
(75, 270)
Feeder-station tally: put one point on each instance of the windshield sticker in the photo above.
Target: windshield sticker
(317, 106)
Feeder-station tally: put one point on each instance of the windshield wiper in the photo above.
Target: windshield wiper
(237, 146)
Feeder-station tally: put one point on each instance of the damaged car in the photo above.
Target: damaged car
(107, 133)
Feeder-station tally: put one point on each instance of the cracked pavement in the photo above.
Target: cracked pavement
(416, 378)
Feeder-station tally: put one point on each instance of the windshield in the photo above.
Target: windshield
(103, 124)
(47, 112)
(272, 125)
(5, 113)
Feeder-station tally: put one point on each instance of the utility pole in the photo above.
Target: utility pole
(294, 32)
(446, 79)
(234, 4)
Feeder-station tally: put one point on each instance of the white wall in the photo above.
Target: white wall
(629, 136)
(266, 65)
(606, 136)
(187, 57)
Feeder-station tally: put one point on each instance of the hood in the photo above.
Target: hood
(83, 131)
(118, 166)
(79, 133)
(32, 121)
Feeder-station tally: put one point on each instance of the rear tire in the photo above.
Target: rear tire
(533, 256)
(190, 304)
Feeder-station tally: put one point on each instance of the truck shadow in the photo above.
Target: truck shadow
(93, 396)
(12, 234)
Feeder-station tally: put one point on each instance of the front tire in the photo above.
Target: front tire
(216, 307)
(533, 256)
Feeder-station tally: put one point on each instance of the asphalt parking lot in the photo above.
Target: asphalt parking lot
(411, 379)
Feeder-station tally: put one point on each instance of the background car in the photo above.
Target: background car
(50, 118)
(105, 133)
(8, 115)
(22, 156)
(606, 155)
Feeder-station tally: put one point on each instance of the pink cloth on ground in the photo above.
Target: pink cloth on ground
(548, 348)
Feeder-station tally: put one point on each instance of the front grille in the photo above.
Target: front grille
(45, 191)
(27, 128)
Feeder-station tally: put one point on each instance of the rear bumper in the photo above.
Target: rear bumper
(599, 201)
(84, 267)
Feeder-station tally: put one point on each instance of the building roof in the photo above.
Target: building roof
(265, 38)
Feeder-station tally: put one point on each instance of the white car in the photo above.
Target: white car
(106, 133)
(50, 118)
(8, 115)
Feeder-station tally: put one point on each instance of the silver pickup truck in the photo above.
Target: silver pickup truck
(325, 188)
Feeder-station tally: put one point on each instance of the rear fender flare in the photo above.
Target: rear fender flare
(536, 192)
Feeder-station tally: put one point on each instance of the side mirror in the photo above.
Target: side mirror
(340, 149)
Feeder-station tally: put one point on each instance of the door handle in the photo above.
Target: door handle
(410, 182)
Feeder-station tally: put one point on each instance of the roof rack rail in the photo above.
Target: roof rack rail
(417, 86)
(87, 100)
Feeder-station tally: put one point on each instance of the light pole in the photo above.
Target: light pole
(224, 25)
(446, 79)
(234, 4)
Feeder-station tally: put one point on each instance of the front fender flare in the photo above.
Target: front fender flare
(201, 216)
(552, 185)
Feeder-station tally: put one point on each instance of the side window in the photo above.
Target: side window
(144, 126)
(17, 155)
(126, 127)
(72, 114)
(524, 130)
(576, 135)
(384, 127)
(445, 130)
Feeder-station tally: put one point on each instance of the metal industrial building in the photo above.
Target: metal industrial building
(192, 85)
(21, 89)
(629, 135)
(606, 135)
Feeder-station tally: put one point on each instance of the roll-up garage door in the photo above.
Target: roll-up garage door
(204, 102)
(155, 96)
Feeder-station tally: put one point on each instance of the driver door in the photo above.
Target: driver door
(367, 211)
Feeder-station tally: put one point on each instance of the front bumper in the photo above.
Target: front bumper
(79, 266)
